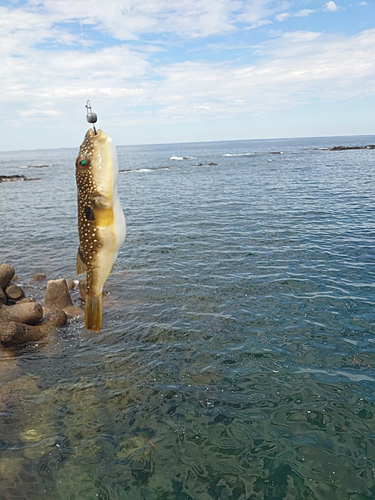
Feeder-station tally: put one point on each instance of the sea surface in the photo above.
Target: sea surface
(237, 354)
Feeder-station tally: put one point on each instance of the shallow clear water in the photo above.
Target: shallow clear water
(236, 358)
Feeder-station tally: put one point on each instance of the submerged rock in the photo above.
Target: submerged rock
(38, 166)
(38, 277)
(11, 178)
(346, 148)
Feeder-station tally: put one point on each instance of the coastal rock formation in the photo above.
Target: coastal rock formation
(346, 148)
(38, 166)
(58, 297)
(29, 313)
(6, 275)
(16, 333)
(211, 164)
(24, 320)
(11, 178)
(14, 292)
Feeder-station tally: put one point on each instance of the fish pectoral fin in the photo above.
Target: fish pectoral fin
(101, 202)
(93, 312)
(80, 262)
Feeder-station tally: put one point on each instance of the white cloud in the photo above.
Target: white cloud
(259, 12)
(258, 24)
(331, 6)
(301, 36)
(300, 67)
(46, 75)
(38, 113)
(282, 17)
(254, 11)
(128, 19)
(304, 13)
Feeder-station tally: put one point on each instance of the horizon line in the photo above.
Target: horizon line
(193, 142)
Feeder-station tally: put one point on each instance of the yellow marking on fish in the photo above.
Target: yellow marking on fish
(104, 217)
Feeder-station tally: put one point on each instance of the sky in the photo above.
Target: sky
(166, 71)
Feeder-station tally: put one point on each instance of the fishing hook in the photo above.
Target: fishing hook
(90, 116)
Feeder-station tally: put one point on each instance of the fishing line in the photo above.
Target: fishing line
(90, 116)
(84, 59)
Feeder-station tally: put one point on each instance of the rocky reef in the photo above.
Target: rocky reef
(24, 320)
(346, 148)
(12, 178)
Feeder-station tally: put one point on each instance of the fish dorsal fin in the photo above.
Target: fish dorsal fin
(80, 263)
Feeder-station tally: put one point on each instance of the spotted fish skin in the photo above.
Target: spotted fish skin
(101, 221)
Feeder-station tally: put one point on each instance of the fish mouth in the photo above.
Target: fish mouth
(93, 133)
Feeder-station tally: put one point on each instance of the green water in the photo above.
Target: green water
(236, 358)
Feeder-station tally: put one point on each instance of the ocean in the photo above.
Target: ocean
(237, 354)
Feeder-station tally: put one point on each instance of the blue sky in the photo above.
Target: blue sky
(159, 71)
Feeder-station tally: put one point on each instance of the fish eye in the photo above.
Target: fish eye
(82, 162)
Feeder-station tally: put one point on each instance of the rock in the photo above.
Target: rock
(10, 178)
(38, 166)
(54, 318)
(10, 468)
(345, 148)
(58, 297)
(25, 321)
(70, 284)
(29, 313)
(14, 292)
(38, 277)
(15, 333)
(82, 289)
(6, 275)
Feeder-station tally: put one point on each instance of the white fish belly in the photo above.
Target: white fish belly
(119, 225)
(119, 221)
(113, 237)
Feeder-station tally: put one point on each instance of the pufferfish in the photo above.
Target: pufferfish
(101, 221)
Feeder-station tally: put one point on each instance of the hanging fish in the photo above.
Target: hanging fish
(101, 221)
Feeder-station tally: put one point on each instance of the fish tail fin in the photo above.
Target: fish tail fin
(80, 263)
(93, 312)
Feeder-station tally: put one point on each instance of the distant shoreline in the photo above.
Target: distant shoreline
(353, 138)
